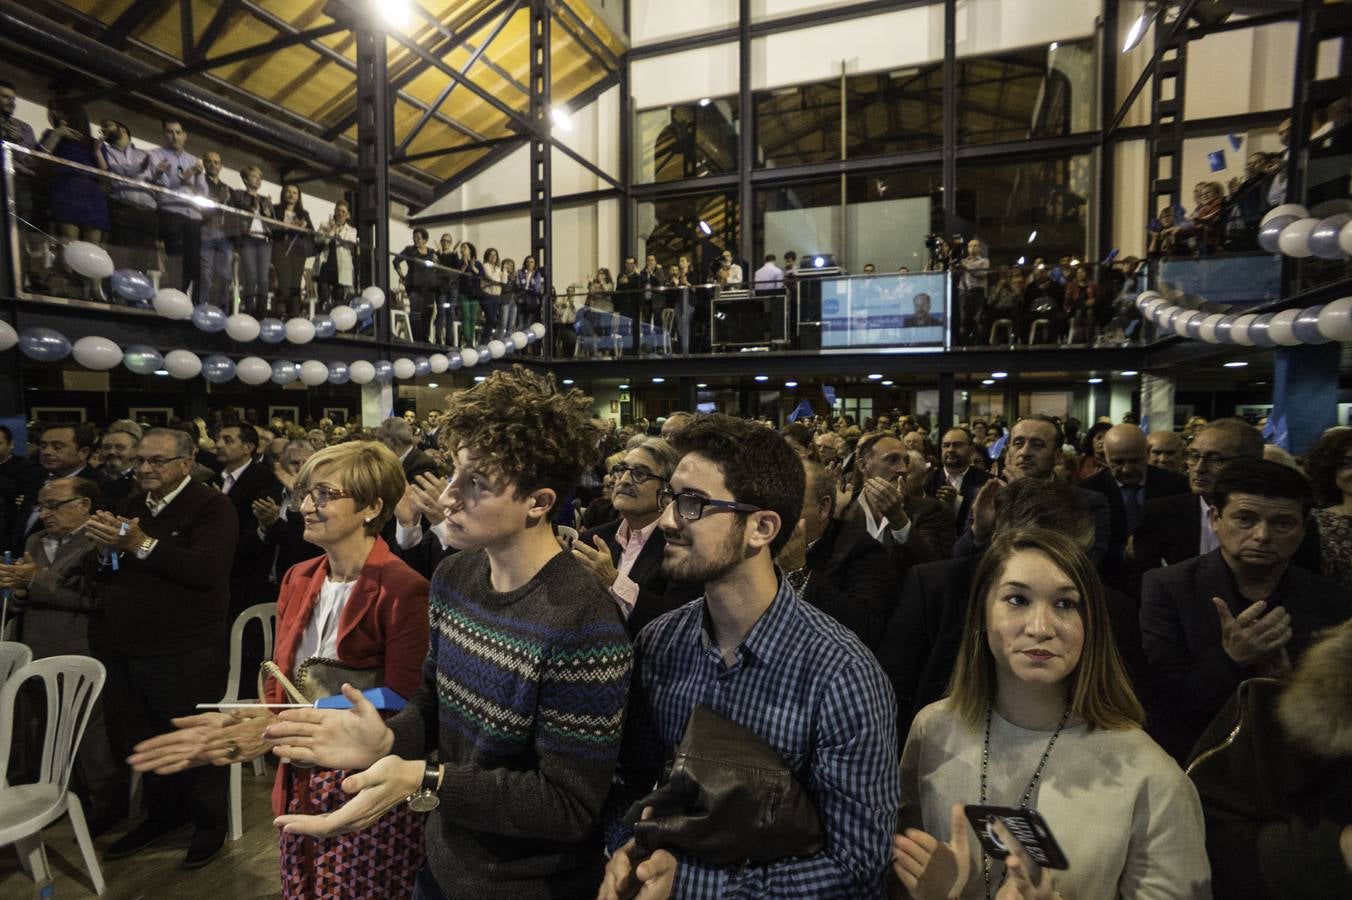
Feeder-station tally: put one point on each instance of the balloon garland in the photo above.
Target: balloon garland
(102, 354)
(1288, 328)
(1291, 230)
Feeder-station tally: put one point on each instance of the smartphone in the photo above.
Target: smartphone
(1025, 824)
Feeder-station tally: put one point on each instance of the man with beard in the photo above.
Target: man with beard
(115, 459)
(626, 555)
(757, 654)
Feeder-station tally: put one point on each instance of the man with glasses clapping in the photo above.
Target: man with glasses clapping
(626, 555)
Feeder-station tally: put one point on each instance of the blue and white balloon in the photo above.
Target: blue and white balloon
(1260, 331)
(97, 353)
(374, 296)
(1295, 238)
(454, 360)
(1323, 238)
(438, 363)
(8, 336)
(1335, 320)
(1223, 329)
(338, 373)
(538, 329)
(384, 370)
(44, 344)
(218, 369)
(496, 349)
(344, 319)
(1306, 326)
(469, 357)
(324, 327)
(313, 372)
(142, 359)
(272, 330)
(1282, 210)
(182, 364)
(89, 260)
(1270, 233)
(362, 307)
(422, 366)
(300, 331)
(209, 318)
(242, 327)
(1280, 328)
(519, 340)
(404, 368)
(284, 371)
(172, 304)
(133, 286)
(362, 372)
(253, 370)
(1241, 332)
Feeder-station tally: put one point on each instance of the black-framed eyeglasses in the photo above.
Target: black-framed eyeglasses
(54, 505)
(1193, 458)
(155, 462)
(319, 495)
(691, 506)
(639, 475)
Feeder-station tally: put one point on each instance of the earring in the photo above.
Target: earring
(368, 521)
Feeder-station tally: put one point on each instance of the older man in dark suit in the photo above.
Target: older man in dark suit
(245, 480)
(1128, 484)
(920, 647)
(838, 567)
(626, 555)
(1242, 610)
(65, 450)
(913, 527)
(164, 562)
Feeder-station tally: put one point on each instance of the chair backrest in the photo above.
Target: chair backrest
(566, 532)
(266, 614)
(72, 684)
(13, 655)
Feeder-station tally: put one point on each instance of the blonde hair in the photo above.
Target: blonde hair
(1100, 691)
(365, 469)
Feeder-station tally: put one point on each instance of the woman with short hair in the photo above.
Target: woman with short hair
(1041, 715)
(355, 607)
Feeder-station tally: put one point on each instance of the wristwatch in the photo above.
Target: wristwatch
(146, 545)
(425, 799)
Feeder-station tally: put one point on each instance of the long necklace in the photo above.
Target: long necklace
(1027, 791)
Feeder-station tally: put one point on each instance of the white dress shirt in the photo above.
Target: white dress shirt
(1209, 540)
(321, 634)
(876, 526)
(157, 507)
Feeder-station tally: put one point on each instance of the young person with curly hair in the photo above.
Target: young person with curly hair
(512, 738)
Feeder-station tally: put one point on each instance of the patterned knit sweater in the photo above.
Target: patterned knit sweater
(523, 699)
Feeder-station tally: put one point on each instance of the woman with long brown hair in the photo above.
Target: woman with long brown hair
(1041, 715)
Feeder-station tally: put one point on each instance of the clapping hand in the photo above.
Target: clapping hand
(930, 868)
(426, 490)
(983, 510)
(333, 738)
(266, 511)
(1256, 635)
(376, 791)
(20, 574)
(211, 738)
(107, 530)
(596, 557)
(888, 498)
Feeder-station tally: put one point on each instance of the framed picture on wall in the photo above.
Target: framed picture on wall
(285, 413)
(336, 414)
(154, 416)
(58, 413)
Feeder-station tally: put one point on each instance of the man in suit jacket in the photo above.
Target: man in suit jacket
(1128, 484)
(883, 502)
(626, 555)
(957, 481)
(244, 480)
(397, 434)
(116, 451)
(920, 647)
(838, 567)
(1242, 610)
(281, 527)
(64, 451)
(164, 563)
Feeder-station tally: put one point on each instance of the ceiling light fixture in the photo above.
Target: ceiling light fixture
(887, 382)
(706, 227)
(432, 385)
(658, 379)
(1127, 373)
(876, 376)
(396, 13)
(1138, 28)
(701, 385)
(988, 381)
(762, 377)
(1236, 364)
(704, 101)
(1032, 236)
(1096, 381)
(624, 387)
(480, 378)
(790, 384)
(563, 120)
(999, 374)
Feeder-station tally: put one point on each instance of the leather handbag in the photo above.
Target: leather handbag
(730, 799)
(319, 677)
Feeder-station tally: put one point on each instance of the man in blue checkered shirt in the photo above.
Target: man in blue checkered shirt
(754, 652)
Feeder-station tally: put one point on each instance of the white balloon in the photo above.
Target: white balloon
(439, 362)
(519, 340)
(1345, 239)
(1208, 332)
(300, 331)
(8, 336)
(313, 372)
(1335, 319)
(1147, 296)
(1280, 329)
(344, 317)
(172, 304)
(374, 296)
(90, 260)
(469, 356)
(404, 368)
(1285, 209)
(242, 327)
(496, 348)
(1181, 323)
(96, 353)
(253, 370)
(1240, 330)
(1295, 238)
(182, 364)
(538, 329)
(361, 371)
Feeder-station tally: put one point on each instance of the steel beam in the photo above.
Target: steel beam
(229, 9)
(501, 209)
(133, 17)
(949, 155)
(479, 91)
(185, 29)
(375, 133)
(582, 33)
(464, 70)
(1149, 68)
(538, 125)
(627, 237)
(746, 140)
(511, 139)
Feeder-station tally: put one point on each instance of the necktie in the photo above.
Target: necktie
(1132, 501)
(229, 482)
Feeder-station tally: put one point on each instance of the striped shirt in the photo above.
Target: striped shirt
(803, 683)
(522, 699)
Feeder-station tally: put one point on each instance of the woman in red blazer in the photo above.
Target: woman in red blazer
(358, 604)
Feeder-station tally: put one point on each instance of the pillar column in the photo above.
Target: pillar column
(1304, 395)
(1157, 403)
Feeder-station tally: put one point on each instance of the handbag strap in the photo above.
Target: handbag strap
(268, 667)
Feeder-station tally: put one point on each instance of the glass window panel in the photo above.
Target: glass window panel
(1036, 92)
(888, 216)
(686, 141)
(798, 125)
(803, 218)
(1035, 209)
(894, 112)
(673, 229)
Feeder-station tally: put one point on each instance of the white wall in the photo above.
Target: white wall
(685, 76)
(988, 26)
(1128, 203)
(869, 44)
(1237, 72)
(650, 22)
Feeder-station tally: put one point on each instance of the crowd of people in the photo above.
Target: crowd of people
(702, 657)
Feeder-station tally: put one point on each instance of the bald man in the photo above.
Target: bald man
(1166, 451)
(1127, 483)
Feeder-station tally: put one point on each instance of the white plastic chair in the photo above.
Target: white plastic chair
(72, 685)
(567, 532)
(13, 656)
(266, 614)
